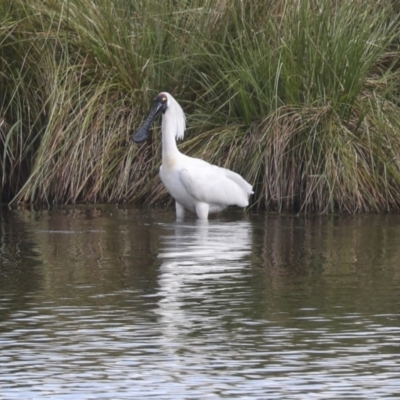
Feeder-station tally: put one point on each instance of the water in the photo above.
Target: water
(108, 303)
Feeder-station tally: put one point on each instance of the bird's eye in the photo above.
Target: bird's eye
(164, 99)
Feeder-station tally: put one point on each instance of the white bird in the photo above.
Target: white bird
(195, 184)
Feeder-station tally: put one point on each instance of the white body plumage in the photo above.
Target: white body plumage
(195, 185)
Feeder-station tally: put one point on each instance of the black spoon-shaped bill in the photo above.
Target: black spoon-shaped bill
(143, 133)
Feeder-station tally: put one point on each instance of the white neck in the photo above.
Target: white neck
(169, 147)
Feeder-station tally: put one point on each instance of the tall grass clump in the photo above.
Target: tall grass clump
(300, 97)
(20, 108)
(315, 89)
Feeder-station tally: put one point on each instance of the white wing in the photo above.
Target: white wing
(214, 185)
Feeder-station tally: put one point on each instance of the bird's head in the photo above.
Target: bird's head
(163, 102)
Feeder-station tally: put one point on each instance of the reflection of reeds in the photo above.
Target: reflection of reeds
(300, 97)
(316, 246)
(323, 262)
(18, 257)
(92, 246)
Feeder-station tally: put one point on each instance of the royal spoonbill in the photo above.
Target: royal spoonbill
(195, 184)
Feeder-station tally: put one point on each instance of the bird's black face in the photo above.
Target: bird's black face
(160, 104)
(163, 100)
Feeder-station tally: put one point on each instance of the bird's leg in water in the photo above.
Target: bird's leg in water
(202, 210)
(180, 211)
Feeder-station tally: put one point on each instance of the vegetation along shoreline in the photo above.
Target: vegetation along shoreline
(301, 98)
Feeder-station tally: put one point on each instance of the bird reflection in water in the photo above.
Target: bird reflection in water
(201, 262)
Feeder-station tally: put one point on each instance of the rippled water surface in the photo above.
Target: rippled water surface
(108, 303)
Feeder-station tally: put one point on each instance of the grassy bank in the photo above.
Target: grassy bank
(300, 97)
